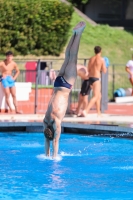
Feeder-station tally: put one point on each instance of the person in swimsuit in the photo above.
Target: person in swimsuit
(8, 81)
(95, 66)
(86, 88)
(62, 86)
(129, 69)
(82, 72)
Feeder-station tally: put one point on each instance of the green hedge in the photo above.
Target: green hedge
(36, 27)
(42, 86)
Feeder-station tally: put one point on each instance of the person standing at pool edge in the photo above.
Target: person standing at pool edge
(8, 81)
(96, 65)
(62, 86)
(82, 72)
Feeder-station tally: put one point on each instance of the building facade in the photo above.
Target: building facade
(112, 12)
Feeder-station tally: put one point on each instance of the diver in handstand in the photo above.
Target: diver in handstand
(62, 86)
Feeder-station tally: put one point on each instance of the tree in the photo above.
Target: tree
(79, 3)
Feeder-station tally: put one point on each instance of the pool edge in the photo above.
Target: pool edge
(67, 127)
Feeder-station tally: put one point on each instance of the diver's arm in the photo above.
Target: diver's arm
(57, 128)
(44, 124)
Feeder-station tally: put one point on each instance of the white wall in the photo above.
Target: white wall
(22, 94)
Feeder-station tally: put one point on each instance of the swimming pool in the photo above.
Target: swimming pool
(87, 167)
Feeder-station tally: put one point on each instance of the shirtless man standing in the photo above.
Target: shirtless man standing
(62, 87)
(8, 81)
(96, 65)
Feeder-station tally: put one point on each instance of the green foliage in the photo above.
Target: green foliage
(78, 3)
(42, 86)
(34, 27)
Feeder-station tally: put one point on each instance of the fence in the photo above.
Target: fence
(117, 78)
(37, 73)
(42, 86)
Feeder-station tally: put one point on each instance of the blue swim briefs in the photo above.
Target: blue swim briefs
(61, 82)
(8, 82)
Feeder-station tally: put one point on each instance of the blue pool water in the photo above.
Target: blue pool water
(88, 167)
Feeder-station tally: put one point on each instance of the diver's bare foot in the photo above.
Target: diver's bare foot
(79, 27)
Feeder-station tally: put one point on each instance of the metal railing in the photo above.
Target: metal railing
(42, 85)
(42, 89)
(117, 78)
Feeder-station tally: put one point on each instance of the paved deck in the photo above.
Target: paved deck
(91, 118)
(118, 119)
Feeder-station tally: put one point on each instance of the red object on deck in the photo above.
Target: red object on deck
(30, 71)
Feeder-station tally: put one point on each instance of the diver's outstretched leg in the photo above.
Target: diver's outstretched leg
(67, 55)
(71, 54)
(70, 74)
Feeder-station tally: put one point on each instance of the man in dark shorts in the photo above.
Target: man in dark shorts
(85, 89)
(62, 86)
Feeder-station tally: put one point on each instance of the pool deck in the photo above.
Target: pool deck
(121, 122)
